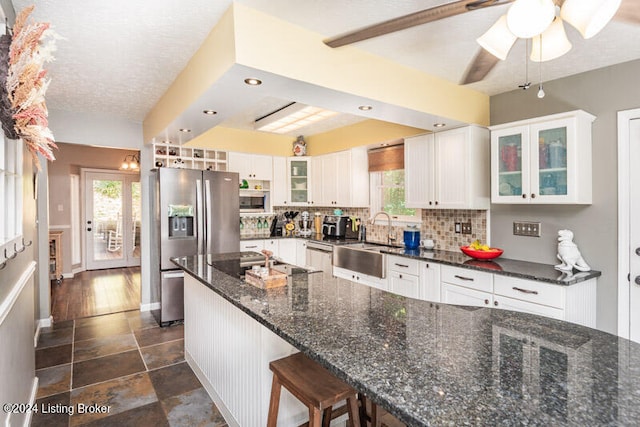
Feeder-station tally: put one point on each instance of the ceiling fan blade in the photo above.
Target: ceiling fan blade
(629, 11)
(412, 20)
(482, 63)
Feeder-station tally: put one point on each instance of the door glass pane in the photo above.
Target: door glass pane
(510, 165)
(552, 161)
(107, 217)
(299, 181)
(136, 207)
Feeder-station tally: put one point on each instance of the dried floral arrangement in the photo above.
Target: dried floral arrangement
(32, 46)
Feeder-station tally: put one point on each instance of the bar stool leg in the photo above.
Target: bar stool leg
(326, 416)
(352, 405)
(314, 416)
(274, 403)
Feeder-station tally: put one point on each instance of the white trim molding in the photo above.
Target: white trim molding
(624, 119)
(10, 300)
(150, 306)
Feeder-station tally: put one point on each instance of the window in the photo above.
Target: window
(387, 194)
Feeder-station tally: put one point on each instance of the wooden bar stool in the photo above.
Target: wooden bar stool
(312, 385)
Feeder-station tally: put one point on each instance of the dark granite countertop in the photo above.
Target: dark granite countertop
(440, 364)
(504, 266)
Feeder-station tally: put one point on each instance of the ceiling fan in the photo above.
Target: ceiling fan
(588, 16)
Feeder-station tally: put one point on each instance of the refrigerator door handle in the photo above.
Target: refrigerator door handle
(199, 217)
(208, 225)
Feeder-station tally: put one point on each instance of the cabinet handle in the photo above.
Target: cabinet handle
(486, 302)
(495, 303)
(525, 291)
(402, 265)
(400, 276)
(464, 278)
(533, 196)
(524, 196)
(427, 265)
(251, 247)
(436, 202)
(430, 202)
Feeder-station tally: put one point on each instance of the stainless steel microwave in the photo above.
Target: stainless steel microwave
(253, 201)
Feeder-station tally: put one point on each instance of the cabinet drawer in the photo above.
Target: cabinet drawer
(529, 290)
(403, 265)
(252, 245)
(467, 278)
(507, 303)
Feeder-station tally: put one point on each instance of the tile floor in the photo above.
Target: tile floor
(123, 362)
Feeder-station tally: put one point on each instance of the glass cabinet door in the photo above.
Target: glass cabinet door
(510, 148)
(552, 161)
(299, 180)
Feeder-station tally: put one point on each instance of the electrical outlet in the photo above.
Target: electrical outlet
(458, 227)
(527, 228)
(466, 228)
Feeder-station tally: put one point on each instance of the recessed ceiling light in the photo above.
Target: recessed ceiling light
(184, 130)
(253, 81)
(365, 107)
(439, 125)
(210, 112)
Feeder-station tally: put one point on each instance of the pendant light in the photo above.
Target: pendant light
(540, 89)
(528, 18)
(589, 16)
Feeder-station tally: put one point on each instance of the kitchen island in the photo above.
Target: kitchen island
(427, 363)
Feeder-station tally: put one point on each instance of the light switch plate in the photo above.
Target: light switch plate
(527, 228)
(466, 228)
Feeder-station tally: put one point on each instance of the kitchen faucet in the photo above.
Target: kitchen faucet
(390, 237)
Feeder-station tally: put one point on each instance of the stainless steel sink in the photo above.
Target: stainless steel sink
(364, 258)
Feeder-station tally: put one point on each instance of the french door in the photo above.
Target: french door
(111, 219)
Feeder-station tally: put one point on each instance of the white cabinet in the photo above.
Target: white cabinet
(448, 170)
(574, 303)
(272, 245)
(301, 252)
(299, 181)
(251, 245)
(429, 281)
(341, 179)
(365, 279)
(279, 184)
(177, 156)
(251, 166)
(287, 249)
(403, 274)
(546, 160)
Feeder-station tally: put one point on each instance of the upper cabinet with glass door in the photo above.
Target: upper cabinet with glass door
(546, 160)
(299, 173)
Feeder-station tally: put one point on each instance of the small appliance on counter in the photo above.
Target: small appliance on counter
(305, 225)
(412, 237)
(341, 227)
(277, 226)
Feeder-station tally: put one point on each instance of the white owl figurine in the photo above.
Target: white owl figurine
(569, 254)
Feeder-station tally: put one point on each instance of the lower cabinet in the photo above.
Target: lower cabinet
(413, 278)
(374, 282)
(287, 251)
(291, 251)
(574, 303)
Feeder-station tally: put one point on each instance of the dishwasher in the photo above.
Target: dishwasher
(320, 257)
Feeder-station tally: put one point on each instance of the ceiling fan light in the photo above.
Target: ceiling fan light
(528, 18)
(554, 43)
(498, 40)
(589, 16)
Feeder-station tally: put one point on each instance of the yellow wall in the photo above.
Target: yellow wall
(362, 133)
(214, 57)
(271, 44)
(246, 141)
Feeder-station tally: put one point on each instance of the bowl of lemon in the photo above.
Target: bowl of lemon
(477, 250)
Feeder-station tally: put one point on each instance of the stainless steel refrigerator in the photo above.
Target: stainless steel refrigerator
(196, 212)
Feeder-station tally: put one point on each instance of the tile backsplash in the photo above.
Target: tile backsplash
(437, 224)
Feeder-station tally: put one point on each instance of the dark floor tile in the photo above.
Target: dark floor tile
(119, 395)
(142, 320)
(173, 380)
(193, 408)
(98, 347)
(100, 320)
(148, 415)
(52, 411)
(164, 354)
(147, 337)
(55, 337)
(53, 356)
(113, 327)
(106, 368)
(53, 380)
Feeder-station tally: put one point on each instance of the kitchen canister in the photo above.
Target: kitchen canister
(412, 237)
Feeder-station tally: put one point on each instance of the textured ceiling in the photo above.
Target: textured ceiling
(119, 56)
